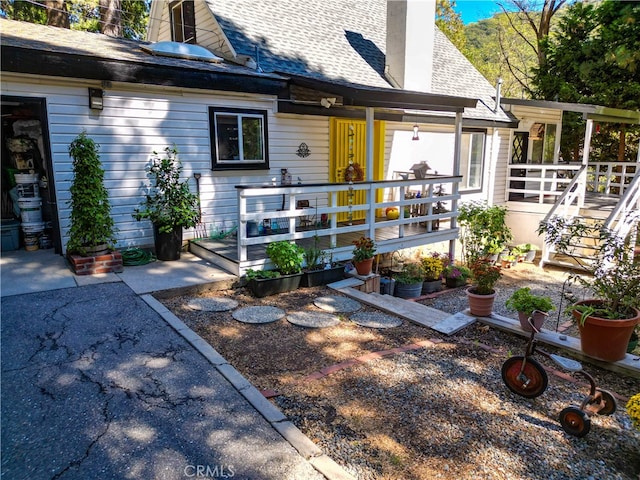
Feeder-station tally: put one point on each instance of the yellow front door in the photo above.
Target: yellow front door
(348, 147)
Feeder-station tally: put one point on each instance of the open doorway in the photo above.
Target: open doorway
(29, 212)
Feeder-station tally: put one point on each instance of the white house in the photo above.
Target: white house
(309, 91)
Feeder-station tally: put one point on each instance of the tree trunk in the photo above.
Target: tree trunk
(57, 14)
(110, 18)
(622, 144)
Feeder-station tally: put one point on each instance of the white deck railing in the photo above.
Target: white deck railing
(610, 178)
(540, 183)
(277, 204)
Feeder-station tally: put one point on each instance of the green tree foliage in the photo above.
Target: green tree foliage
(595, 58)
(84, 15)
(450, 23)
(488, 42)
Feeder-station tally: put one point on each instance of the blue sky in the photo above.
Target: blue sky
(474, 10)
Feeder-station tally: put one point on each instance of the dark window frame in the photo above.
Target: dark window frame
(240, 164)
(187, 31)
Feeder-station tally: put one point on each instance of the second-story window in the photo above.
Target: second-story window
(183, 21)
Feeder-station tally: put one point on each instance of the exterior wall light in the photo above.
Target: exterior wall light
(415, 132)
(95, 99)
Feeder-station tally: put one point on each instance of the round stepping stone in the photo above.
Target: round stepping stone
(313, 319)
(258, 314)
(216, 304)
(335, 304)
(375, 320)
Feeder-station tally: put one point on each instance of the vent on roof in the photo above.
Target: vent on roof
(181, 50)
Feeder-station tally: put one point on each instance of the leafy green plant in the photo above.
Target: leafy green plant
(314, 256)
(483, 227)
(286, 256)
(410, 274)
(169, 203)
(364, 248)
(91, 221)
(261, 274)
(613, 275)
(522, 300)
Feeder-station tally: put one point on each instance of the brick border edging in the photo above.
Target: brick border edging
(294, 436)
(108, 263)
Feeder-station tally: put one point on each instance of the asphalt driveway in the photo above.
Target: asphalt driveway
(95, 384)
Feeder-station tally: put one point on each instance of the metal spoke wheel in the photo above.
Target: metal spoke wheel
(532, 382)
(610, 404)
(575, 421)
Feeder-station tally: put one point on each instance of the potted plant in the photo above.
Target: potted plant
(482, 294)
(456, 275)
(287, 258)
(433, 267)
(363, 251)
(320, 269)
(633, 409)
(483, 227)
(607, 321)
(526, 251)
(92, 227)
(409, 280)
(169, 204)
(525, 303)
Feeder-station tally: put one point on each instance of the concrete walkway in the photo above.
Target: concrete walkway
(98, 384)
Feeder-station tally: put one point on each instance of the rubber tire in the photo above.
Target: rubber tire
(575, 422)
(610, 404)
(533, 370)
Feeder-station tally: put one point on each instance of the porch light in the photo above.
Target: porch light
(95, 99)
(415, 132)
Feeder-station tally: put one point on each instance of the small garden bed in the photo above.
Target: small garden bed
(435, 407)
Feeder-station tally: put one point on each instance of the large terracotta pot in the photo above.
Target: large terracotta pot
(602, 338)
(538, 321)
(480, 305)
(363, 267)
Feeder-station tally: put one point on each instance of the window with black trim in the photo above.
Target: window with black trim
(183, 21)
(238, 139)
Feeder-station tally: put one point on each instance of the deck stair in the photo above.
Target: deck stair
(621, 218)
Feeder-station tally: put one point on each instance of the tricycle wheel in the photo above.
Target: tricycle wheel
(532, 382)
(610, 404)
(575, 421)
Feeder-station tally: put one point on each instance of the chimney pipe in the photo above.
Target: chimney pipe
(498, 94)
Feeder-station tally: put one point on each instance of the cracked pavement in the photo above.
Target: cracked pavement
(96, 385)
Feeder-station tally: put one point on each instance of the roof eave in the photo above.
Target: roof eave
(57, 64)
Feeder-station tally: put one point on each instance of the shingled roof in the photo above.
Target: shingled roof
(46, 50)
(341, 40)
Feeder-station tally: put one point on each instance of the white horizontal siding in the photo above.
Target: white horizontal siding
(133, 124)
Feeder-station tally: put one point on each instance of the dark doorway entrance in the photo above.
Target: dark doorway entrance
(26, 152)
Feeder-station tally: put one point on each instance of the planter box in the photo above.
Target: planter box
(317, 278)
(263, 287)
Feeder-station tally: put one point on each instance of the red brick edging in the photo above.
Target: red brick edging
(108, 263)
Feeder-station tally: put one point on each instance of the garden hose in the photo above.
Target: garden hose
(137, 256)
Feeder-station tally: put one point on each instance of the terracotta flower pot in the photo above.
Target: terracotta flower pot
(480, 305)
(602, 338)
(363, 267)
(538, 321)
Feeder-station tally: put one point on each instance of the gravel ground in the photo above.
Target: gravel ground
(438, 410)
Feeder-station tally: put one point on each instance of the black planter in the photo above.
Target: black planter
(263, 287)
(168, 245)
(317, 278)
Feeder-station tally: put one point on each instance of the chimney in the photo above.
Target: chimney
(410, 37)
